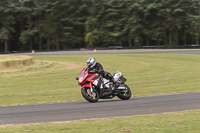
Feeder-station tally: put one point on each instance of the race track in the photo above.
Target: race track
(104, 108)
(127, 51)
(56, 112)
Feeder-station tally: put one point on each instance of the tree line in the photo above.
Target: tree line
(64, 24)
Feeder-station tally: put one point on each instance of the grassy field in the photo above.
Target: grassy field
(52, 78)
(182, 122)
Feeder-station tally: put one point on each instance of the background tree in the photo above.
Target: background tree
(74, 18)
(52, 27)
(7, 21)
(28, 14)
(64, 24)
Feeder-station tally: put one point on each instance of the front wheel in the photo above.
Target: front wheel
(125, 95)
(90, 96)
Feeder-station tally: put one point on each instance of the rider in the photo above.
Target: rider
(96, 67)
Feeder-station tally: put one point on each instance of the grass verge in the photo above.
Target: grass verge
(179, 122)
(53, 79)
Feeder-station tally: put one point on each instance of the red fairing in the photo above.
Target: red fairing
(85, 79)
(87, 85)
(82, 70)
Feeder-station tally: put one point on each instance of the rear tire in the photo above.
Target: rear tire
(125, 95)
(90, 97)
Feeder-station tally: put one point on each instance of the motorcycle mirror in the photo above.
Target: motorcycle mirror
(76, 78)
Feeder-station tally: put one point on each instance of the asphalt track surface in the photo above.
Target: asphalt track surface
(127, 51)
(104, 108)
(69, 111)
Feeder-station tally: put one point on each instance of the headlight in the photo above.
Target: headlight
(80, 80)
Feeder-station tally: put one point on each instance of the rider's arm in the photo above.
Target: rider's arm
(99, 68)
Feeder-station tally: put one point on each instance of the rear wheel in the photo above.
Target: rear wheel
(125, 95)
(90, 96)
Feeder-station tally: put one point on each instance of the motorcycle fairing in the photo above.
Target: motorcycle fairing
(84, 77)
(87, 85)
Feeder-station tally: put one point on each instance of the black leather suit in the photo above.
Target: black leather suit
(98, 68)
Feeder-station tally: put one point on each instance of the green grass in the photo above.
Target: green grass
(181, 122)
(52, 78)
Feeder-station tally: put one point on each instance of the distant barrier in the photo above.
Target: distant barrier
(194, 46)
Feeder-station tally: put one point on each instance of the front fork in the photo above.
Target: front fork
(89, 85)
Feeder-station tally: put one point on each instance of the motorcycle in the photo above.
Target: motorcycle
(92, 93)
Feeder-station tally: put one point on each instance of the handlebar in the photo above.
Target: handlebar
(86, 68)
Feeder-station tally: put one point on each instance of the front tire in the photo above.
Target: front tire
(125, 95)
(90, 96)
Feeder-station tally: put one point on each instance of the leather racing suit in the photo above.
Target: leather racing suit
(98, 68)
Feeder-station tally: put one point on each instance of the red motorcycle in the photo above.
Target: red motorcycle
(92, 93)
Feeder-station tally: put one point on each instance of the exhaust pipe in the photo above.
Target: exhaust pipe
(121, 88)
